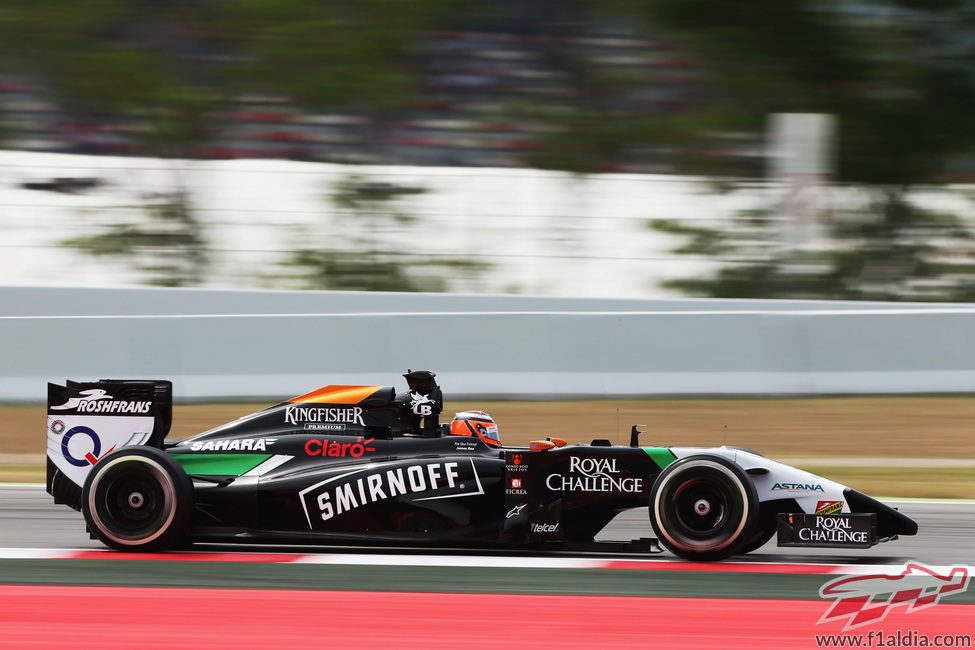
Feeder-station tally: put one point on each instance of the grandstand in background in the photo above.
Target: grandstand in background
(468, 78)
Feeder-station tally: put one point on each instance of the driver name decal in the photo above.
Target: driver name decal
(341, 494)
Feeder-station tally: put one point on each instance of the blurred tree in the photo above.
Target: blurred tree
(116, 59)
(885, 250)
(175, 65)
(899, 78)
(896, 73)
(362, 255)
(169, 248)
(596, 112)
(166, 69)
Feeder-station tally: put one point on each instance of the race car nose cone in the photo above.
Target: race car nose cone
(702, 507)
(136, 499)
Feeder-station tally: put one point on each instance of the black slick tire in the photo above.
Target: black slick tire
(704, 508)
(138, 499)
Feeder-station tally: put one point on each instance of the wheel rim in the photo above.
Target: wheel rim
(703, 513)
(700, 507)
(132, 500)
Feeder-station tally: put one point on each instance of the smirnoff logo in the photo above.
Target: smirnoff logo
(301, 414)
(352, 490)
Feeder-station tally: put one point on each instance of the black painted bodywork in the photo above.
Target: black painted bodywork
(434, 489)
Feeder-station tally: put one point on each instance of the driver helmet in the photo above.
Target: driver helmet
(476, 423)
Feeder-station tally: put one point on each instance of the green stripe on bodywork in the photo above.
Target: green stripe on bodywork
(660, 455)
(224, 464)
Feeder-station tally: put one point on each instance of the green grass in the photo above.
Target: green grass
(921, 482)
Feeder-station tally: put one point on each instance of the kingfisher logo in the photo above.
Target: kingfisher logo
(323, 414)
(861, 600)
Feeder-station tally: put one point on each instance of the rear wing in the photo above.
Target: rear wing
(87, 420)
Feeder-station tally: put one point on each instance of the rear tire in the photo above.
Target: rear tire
(704, 508)
(138, 499)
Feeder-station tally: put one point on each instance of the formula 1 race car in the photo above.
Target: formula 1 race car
(367, 465)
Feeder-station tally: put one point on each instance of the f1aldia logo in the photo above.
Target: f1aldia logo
(858, 598)
(89, 457)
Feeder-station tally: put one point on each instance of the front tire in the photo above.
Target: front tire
(138, 499)
(765, 529)
(703, 508)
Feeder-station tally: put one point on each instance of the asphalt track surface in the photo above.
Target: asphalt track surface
(370, 598)
(30, 519)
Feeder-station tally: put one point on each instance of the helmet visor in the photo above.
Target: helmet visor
(489, 431)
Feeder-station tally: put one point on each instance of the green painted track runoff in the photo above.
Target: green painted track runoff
(339, 577)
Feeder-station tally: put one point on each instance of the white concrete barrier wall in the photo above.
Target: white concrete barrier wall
(509, 354)
(139, 301)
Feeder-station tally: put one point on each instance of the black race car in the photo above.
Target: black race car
(370, 465)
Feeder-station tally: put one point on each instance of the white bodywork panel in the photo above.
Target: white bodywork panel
(781, 481)
(76, 442)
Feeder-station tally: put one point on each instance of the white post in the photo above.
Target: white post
(800, 163)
